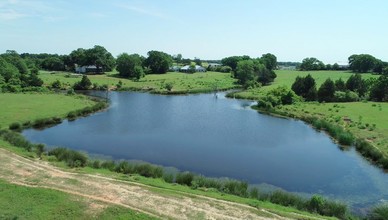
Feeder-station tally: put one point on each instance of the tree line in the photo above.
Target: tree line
(354, 89)
(358, 63)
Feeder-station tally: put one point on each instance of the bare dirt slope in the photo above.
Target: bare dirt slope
(146, 199)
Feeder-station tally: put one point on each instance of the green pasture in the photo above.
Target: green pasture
(181, 82)
(20, 107)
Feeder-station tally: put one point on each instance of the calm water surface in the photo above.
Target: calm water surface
(221, 137)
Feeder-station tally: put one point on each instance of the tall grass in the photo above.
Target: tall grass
(379, 213)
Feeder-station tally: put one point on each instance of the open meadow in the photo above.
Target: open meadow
(181, 82)
(23, 107)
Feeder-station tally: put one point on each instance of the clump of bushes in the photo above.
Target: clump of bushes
(379, 213)
(15, 126)
(342, 136)
(71, 157)
(44, 122)
(16, 139)
(86, 111)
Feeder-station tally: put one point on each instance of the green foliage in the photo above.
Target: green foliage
(169, 86)
(53, 64)
(233, 60)
(71, 157)
(100, 57)
(278, 96)
(312, 64)
(16, 139)
(379, 90)
(362, 63)
(379, 213)
(130, 66)
(56, 84)
(158, 62)
(347, 96)
(15, 126)
(305, 87)
(355, 83)
(84, 84)
(184, 178)
(326, 91)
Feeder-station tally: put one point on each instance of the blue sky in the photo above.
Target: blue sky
(329, 30)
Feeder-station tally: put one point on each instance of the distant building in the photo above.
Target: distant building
(174, 69)
(214, 65)
(186, 69)
(87, 69)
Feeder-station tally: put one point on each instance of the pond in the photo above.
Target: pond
(220, 137)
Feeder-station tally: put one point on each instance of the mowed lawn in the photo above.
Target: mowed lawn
(287, 78)
(182, 82)
(19, 107)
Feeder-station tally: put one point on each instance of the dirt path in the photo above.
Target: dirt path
(146, 199)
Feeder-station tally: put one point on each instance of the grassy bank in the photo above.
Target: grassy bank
(21, 108)
(366, 121)
(181, 83)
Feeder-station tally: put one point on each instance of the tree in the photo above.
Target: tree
(379, 91)
(340, 85)
(362, 63)
(335, 66)
(84, 84)
(53, 63)
(265, 76)
(305, 87)
(233, 60)
(7, 70)
(312, 63)
(326, 91)
(129, 65)
(269, 60)
(245, 71)
(355, 83)
(158, 62)
(100, 57)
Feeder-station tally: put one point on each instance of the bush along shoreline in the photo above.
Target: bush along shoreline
(338, 133)
(75, 159)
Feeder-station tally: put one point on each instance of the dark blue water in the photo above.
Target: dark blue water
(221, 137)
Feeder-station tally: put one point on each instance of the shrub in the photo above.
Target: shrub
(287, 199)
(16, 139)
(71, 157)
(15, 126)
(148, 170)
(379, 213)
(109, 165)
(184, 178)
(123, 167)
(168, 178)
(254, 193)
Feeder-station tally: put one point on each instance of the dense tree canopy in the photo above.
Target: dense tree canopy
(362, 63)
(99, 57)
(312, 63)
(379, 90)
(159, 62)
(355, 83)
(305, 87)
(233, 60)
(130, 65)
(326, 91)
(269, 60)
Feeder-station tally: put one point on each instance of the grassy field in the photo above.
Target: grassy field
(21, 202)
(368, 120)
(182, 83)
(287, 78)
(20, 107)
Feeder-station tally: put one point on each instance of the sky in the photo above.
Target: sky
(330, 30)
